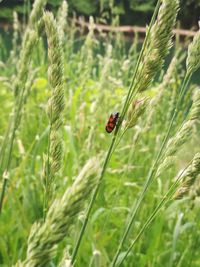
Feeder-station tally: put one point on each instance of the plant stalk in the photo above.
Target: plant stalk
(8, 162)
(164, 200)
(110, 151)
(47, 181)
(93, 198)
(153, 168)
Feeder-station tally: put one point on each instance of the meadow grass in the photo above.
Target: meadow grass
(73, 195)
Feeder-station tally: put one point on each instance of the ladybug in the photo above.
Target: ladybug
(110, 126)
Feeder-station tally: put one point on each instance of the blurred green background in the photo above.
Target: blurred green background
(129, 11)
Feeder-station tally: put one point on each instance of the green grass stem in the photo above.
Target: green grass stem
(167, 197)
(110, 150)
(152, 170)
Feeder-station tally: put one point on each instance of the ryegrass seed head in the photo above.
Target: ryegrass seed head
(62, 20)
(183, 134)
(136, 110)
(194, 169)
(56, 103)
(44, 237)
(189, 177)
(16, 29)
(36, 12)
(195, 110)
(56, 148)
(167, 163)
(29, 41)
(193, 59)
(175, 143)
(159, 43)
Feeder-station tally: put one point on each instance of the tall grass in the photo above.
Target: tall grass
(56, 156)
(55, 108)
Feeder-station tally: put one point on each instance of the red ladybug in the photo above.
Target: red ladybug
(110, 126)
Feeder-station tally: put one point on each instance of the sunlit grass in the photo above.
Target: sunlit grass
(133, 218)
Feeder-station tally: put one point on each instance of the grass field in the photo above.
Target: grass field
(72, 194)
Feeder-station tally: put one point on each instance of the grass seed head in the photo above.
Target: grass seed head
(36, 12)
(159, 43)
(176, 142)
(193, 59)
(62, 20)
(195, 111)
(44, 237)
(56, 103)
(167, 163)
(136, 110)
(29, 41)
(189, 177)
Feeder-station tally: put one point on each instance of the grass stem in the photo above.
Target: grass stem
(110, 150)
(93, 199)
(153, 168)
(164, 201)
(8, 162)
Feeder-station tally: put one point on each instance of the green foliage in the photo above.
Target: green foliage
(142, 6)
(7, 12)
(88, 7)
(54, 3)
(129, 11)
(97, 73)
